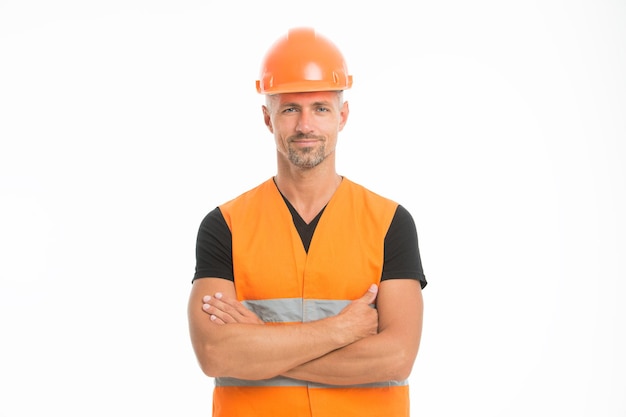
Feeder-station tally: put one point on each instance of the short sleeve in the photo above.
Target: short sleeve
(214, 248)
(402, 255)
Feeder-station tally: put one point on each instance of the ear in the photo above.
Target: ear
(343, 115)
(267, 119)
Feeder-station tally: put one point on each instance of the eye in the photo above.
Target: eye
(323, 109)
(290, 110)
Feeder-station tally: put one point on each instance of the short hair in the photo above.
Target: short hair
(270, 97)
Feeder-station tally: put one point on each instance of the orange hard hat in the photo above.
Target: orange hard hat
(303, 61)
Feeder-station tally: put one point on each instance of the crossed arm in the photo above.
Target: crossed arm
(359, 345)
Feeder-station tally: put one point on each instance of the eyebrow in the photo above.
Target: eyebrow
(314, 104)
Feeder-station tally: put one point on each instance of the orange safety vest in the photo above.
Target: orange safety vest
(282, 283)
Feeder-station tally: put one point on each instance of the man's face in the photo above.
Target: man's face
(306, 125)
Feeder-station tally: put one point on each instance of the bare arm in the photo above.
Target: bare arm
(388, 355)
(256, 351)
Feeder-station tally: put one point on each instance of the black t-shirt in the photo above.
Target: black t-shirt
(402, 257)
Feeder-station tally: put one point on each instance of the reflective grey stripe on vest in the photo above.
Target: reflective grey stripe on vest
(288, 382)
(290, 310)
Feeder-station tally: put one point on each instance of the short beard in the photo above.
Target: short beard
(307, 158)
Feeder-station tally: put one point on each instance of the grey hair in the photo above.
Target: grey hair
(269, 98)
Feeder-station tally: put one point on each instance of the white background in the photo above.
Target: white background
(500, 125)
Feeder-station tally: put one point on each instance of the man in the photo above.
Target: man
(306, 299)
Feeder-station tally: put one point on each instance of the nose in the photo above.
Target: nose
(305, 122)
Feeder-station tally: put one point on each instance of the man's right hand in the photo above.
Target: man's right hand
(223, 309)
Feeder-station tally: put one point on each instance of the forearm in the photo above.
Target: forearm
(373, 359)
(253, 351)
(388, 355)
(231, 341)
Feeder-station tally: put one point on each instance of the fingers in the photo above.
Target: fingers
(370, 296)
(223, 310)
(226, 310)
(220, 312)
(216, 319)
(359, 318)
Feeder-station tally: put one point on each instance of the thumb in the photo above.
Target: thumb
(370, 295)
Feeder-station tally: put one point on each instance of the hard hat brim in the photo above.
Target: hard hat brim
(303, 86)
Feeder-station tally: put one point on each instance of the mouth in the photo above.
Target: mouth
(304, 140)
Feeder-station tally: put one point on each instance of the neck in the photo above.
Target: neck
(308, 191)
